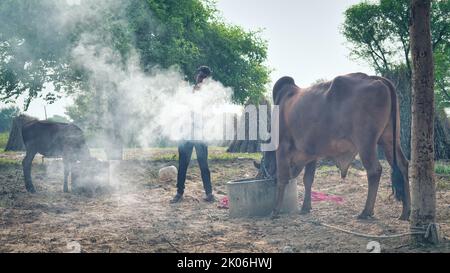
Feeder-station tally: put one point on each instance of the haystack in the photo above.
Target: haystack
(15, 140)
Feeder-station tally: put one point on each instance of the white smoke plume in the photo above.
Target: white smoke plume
(161, 103)
(154, 105)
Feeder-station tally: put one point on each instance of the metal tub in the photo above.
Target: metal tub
(256, 198)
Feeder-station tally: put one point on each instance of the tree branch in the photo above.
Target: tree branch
(375, 60)
(377, 44)
(375, 55)
(444, 91)
(406, 50)
(439, 39)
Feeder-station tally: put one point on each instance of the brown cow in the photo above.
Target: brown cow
(339, 119)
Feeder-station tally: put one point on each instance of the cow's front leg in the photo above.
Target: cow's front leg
(308, 179)
(282, 180)
(66, 175)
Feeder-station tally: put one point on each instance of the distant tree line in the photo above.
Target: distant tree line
(36, 46)
(6, 117)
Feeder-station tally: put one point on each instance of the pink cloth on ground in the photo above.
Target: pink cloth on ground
(223, 203)
(320, 196)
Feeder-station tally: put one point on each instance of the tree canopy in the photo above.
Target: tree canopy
(6, 116)
(38, 36)
(379, 34)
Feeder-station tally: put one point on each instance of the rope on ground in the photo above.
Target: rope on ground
(427, 232)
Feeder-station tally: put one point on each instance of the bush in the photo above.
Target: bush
(443, 169)
(6, 117)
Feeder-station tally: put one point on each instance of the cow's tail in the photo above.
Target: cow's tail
(398, 182)
(278, 88)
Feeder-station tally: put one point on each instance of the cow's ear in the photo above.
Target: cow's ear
(256, 164)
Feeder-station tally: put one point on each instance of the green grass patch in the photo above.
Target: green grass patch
(9, 162)
(230, 156)
(211, 156)
(326, 168)
(164, 157)
(3, 140)
(442, 168)
(171, 154)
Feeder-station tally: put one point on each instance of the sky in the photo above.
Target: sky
(303, 36)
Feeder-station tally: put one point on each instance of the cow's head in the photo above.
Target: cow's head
(268, 165)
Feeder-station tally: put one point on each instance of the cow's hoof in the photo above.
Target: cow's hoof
(365, 216)
(275, 215)
(305, 211)
(31, 190)
(404, 217)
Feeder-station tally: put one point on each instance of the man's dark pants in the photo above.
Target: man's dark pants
(185, 153)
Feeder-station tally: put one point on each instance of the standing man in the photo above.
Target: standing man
(185, 152)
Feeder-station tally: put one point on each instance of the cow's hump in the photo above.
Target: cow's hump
(341, 87)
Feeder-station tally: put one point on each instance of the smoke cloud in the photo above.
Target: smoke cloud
(146, 106)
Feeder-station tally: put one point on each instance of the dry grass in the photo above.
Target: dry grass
(137, 216)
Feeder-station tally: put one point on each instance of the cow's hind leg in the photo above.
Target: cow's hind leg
(308, 179)
(369, 158)
(27, 164)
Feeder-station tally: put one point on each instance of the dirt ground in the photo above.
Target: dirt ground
(137, 217)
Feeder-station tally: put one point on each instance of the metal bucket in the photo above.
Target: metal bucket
(256, 198)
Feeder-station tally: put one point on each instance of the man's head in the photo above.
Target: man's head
(203, 72)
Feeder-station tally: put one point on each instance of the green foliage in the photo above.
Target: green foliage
(189, 33)
(442, 168)
(58, 118)
(37, 38)
(34, 51)
(442, 75)
(6, 117)
(379, 34)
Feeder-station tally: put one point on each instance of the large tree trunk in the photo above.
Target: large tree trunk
(422, 144)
